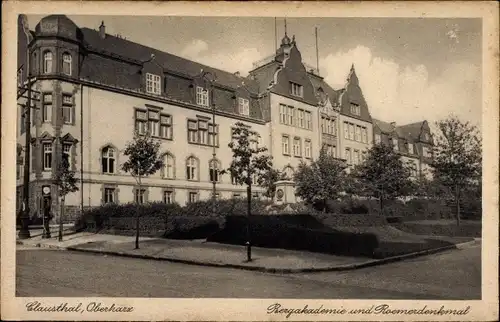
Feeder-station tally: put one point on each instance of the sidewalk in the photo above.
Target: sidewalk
(199, 252)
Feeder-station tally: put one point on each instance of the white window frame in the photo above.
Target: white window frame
(193, 196)
(214, 167)
(47, 108)
(358, 133)
(47, 156)
(297, 149)
(202, 96)
(106, 195)
(346, 130)
(307, 149)
(378, 138)
(166, 131)
(109, 154)
(67, 109)
(283, 113)
(169, 167)
(153, 84)
(300, 116)
(67, 61)
(364, 134)
(347, 155)
(410, 148)
(140, 196)
(243, 106)
(351, 132)
(192, 167)
(308, 118)
(395, 144)
(355, 109)
(47, 62)
(290, 115)
(170, 199)
(141, 121)
(296, 89)
(285, 144)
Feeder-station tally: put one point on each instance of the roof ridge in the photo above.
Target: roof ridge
(203, 66)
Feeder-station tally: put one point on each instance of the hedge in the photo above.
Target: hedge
(396, 248)
(276, 232)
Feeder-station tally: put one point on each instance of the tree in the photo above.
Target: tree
(268, 181)
(65, 181)
(143, 160)
(248, 162)
(457, 157)
(321, 180)
(383, 175)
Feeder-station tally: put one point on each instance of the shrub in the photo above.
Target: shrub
(390, 249)
(450, 229)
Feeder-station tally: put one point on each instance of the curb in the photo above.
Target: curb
(275, 270)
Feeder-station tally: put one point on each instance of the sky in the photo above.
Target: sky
(410, 69)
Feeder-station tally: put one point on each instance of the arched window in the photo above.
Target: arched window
(169, 167)
(47, 62)
(214, 167)
(192, 168)
(66, 64)
(108, 160)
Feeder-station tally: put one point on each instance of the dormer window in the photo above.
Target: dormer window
(426, 136)
(410, 148)
(67, 64)
(243, 106)
(296, 89)
(355, 109)
(201, 96)
(395, 144)
(153, 84)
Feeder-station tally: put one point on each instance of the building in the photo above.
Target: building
(96, 89)
(412, 141)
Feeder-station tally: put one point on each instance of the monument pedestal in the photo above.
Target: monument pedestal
(285, 192)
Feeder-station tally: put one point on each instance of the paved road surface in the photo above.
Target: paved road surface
(453, 274)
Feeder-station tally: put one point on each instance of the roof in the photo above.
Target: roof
(135, 51)
(385, 127)
(333, 95)
(412, 130)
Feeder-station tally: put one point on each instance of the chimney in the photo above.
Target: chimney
(102, 30)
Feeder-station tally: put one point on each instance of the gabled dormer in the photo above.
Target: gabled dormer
(152, 79)
(352, 100)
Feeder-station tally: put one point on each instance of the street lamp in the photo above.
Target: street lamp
(209, 79)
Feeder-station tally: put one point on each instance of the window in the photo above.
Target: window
(296, 89)
(168, 196)
(426, 136)
(395, 144)
(297, 147)
(347, 155)
(378, 139)
(233, 179)
(425, 152)
(214, 170)
(363, 156)
(364, 133)
(308, 120)
(66, 64)
(166, 126)
(109, 195)
(193, 196)
(67, 109)
(355, 109)
(141, 119)
(255, 195)
(201, 96)
(283, 110)
(351, 131)
(358, 133)
(346, 130)
(108, 160)
(285, 142)
(153, 84)
(192, 168)
(413, 169)
(355, 157)
(47, 62)
(410, 148)
(236, 195)
(47, 108)
(169, 167)
(67, 151)
(47, 156)
(243, 106)
(290, 115)
(330, 149)
(202, 132)
(140, 196)
(307, 148)
(153, 123)
(300, 115)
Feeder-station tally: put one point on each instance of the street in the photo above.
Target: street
(452, 275)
